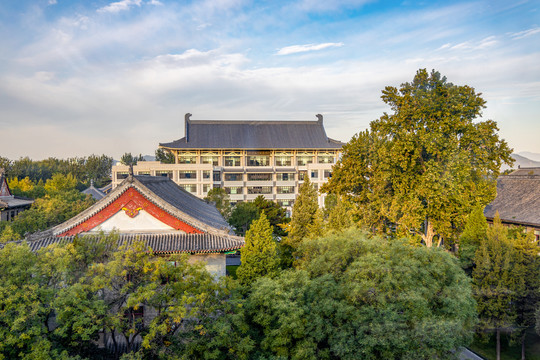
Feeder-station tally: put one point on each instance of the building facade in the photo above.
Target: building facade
(246, 158)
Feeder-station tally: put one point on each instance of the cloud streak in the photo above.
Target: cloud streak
(295, 49)
(118, 6)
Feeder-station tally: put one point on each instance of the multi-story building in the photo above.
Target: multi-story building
(246, 158)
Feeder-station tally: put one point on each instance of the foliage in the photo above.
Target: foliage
(61, 202)
(426, 165)
(306, 220)
(339, 215)
(165, 156)
(27, 188)
(242, 215)
(276, 215)
(87, 287)
(355, 297)
(220, 198)
(473, 235)
(259, 255)
(506, 281)
(84, 169)
(128, 159)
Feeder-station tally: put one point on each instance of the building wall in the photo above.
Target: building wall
(245, 179)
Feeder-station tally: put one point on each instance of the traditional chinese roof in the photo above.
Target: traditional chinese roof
(518, 199)
(195, 225)
(221, 134)
(97, 194)
(8, 200)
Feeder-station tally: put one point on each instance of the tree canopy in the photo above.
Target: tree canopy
(355, 297)
(423, 167)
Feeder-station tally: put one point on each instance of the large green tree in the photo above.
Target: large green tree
(423, 167)
(359, 298)
(259, 255)
(220, 198)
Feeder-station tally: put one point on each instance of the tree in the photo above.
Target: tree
(276, 215)
(165, 156)
(306, 219)
(259, 255)
(473, 236)
(339, 216)
(426, 165)
(128, 159)
(355, 297)
(242, 215)
(220, 198)
(506, 282)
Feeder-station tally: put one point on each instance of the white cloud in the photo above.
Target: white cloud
(52, 2)
(155, 2)
(525, 33)
(293, 49)
(119, 6)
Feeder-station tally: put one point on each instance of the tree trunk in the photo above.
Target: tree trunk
(429, 233)
(498, 344)
(523, 344)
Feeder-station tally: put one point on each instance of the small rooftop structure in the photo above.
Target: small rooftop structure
(10, 205)
(518, 199)
(97, 194)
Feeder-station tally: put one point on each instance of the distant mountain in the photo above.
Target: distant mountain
(149, 158)
(530, 155)
(521, 161)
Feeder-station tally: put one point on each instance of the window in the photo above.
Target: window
(285, 203)
(258, 160)
(143, 172)
(187, 174)
(234, 176)
(302, 175)
(327, 174)
(282, 160)
(192, 188)
(325, 158)
(121, 175)
(304, 158)
(260, 177)
(233, 190)
(232, 160)
(206, 188)
(285, 189)
(164, 173)
(217, 176)
(206, 174)
(314, 174)
(187, 158)
(259, 190)
(285, 176)
(210, 159)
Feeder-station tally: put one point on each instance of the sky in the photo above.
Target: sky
(104, 77)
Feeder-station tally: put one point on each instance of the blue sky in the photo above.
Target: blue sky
(95, 76)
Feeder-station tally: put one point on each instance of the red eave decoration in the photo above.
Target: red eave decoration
(131, 201)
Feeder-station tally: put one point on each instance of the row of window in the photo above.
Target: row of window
(255, 160)
(233, 190)
(192, 175)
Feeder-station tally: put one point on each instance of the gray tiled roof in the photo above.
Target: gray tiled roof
(160, 243)
(93, 192)
(169, 191)
(517, 201)
(219, 134)
(14, 201)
